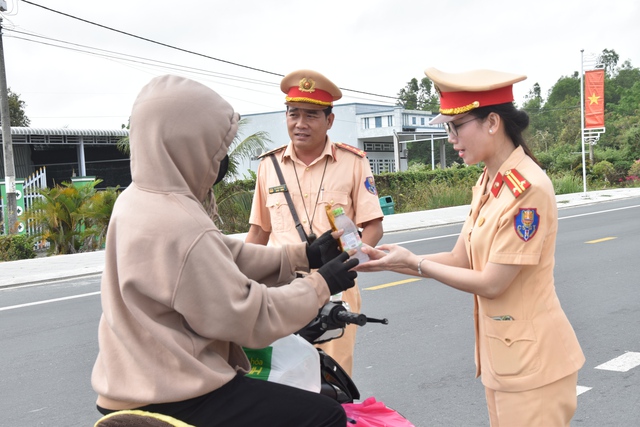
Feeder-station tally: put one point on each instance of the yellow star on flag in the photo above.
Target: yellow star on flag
(593, 99)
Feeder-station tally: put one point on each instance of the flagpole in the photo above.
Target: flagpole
(584, 168)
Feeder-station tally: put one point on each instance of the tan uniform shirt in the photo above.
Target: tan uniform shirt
(538, 346)
(347, 182)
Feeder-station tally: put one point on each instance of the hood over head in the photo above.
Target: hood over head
(180, 132)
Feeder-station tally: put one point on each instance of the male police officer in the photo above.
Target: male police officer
(317, 173)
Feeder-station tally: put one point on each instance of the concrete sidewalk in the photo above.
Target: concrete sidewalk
(22, 272)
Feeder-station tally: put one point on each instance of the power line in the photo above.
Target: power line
(117, 56)
(186, 50)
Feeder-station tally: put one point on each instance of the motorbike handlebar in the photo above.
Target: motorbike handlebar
(350, 317)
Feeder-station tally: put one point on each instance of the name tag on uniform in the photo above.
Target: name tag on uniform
(278, 189)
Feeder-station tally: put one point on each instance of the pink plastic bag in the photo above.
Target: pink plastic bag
(371, 413)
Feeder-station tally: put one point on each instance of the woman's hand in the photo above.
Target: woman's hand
(387, 257)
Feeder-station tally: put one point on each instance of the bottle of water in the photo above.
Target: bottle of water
(350, 239)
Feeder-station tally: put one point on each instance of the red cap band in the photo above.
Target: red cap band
(460, 102)
(318, 96)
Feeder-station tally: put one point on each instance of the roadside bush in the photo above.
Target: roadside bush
(73, 219)
(604, 170)
(14, 247)
(416, 189)
(566, 184)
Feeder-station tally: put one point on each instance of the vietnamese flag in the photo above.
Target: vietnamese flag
(594, 99)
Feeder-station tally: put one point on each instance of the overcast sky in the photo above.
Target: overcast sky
(373, 46)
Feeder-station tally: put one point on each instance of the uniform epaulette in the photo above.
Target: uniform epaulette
(516, 182)
(270, 152)
(351, 148)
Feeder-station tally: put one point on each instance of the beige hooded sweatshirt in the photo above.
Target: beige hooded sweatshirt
(179, 298)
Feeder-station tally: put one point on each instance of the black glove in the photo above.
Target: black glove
(337, 275)
(322, 250)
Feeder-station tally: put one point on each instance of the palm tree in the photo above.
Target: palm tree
(244, 149)
(234, 201)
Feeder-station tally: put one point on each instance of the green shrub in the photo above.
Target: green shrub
(567, 184)
(14, 247)
(422, 189)
(73, 219)
(604, 170)
(634, 170)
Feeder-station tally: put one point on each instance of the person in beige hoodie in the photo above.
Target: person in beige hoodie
(180, 299)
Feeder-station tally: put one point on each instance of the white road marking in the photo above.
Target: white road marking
(623, 363)
(581, 389)
(13, 307)
(599, 212)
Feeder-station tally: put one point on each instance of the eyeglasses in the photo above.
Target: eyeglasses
(452, 128)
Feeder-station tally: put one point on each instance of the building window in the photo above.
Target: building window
(413, 120)
(378, 122)
(422, 121)
(378, 146)
(379, 166)
(365, 123)
(390, 121)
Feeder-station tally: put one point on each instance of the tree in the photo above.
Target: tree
(419, 96)
(16, 110)
(72, 219)
(610, 59)
(245, 148)
(234, 201)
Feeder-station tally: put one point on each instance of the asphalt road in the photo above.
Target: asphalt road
(420, 364)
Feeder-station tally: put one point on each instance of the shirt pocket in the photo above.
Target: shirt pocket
(513, 347)
(280, 213)
(334, 199)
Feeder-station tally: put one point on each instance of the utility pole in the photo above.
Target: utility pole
(11, 214)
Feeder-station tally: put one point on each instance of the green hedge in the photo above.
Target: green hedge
(14, 247)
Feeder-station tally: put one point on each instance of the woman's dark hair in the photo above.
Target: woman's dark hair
(515, 122)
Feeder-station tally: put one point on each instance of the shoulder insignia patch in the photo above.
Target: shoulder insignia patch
(351, 148)
(268, 153)
(526, 223)
(516, 182)
(370, 185)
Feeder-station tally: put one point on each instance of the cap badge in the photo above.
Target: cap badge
(307, 85)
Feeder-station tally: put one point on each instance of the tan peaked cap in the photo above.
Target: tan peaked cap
(462, 92)
(309, 89)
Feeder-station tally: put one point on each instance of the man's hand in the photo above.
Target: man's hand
(338, 274)
(323, 249)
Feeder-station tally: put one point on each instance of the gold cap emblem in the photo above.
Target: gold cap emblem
(307, 85)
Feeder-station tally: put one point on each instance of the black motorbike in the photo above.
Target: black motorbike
(328, 325)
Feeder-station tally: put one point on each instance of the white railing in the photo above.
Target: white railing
(32, 184)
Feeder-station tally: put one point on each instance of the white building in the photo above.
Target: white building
(380, 130)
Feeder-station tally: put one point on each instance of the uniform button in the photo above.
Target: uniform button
(306, 169)
(331, 202)
(507, 340)
(480, 222)
(496, 185)
(277, 203)
(304, 221)
(306, 195)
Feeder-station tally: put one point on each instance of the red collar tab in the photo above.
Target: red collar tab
(516, 182)
(497, 185)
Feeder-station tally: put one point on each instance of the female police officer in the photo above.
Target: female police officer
(526, 350)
